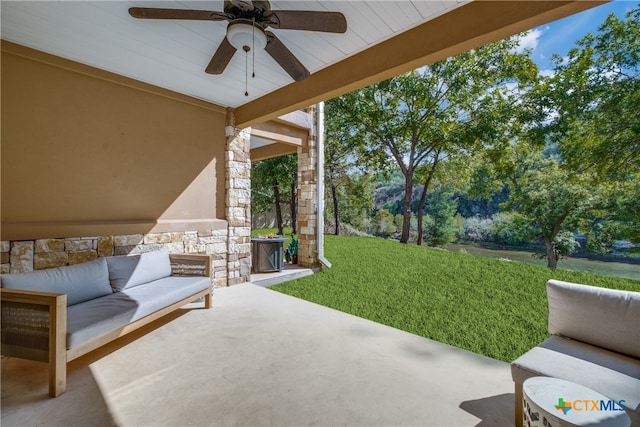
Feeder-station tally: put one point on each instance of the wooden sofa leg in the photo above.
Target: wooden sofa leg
(57, 378)
(208, 300)
(58, 347)
(518, 405)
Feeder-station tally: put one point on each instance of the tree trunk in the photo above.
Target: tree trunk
(423, 196)
(334, 195)
(552, 253)
(406, 223)
(294, 206)
(276, 193)
(420, 213)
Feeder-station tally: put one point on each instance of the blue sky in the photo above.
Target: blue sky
(560, 36)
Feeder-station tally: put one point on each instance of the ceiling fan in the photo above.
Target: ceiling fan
(247, 28)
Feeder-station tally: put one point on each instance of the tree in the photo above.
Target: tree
(588, 109)
(407, 119)
(596, 95)
(338, 150)
(428, 173)
(441, 209)
(268, 178)
(549, 197)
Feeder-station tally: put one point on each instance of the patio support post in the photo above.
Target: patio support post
(238, 201)
(307, 198)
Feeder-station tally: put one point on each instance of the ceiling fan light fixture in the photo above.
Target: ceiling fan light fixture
(241, 35)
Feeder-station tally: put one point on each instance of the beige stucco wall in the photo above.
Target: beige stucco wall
(86, 152)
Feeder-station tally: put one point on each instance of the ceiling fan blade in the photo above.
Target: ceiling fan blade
(308, 20)
(285, 58)
(155, 13)
(221, 58)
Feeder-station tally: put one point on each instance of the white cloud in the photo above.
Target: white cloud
(546, 73)
(530, 40)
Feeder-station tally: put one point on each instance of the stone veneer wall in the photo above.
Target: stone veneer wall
(30, 255)
(307, 199)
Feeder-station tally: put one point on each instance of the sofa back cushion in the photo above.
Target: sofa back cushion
(134, 270)
(606, 318)
(81, 282)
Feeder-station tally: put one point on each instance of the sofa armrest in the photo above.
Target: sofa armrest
(34, 326)
(190, 265)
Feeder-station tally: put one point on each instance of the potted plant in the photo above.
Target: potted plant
(293, 249)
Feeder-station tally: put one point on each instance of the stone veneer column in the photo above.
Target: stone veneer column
(238, 201)
(307, 198)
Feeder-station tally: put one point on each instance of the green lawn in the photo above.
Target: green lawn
(484, 305)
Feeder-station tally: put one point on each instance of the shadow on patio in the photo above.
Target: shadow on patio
(264, 358)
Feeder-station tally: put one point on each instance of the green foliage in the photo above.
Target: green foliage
(596, 94)
(563, 149)
(566, 244)
(346, 189)
(394, 208)
(551, 197)
(510, 229)
(382, 223)
(476, 230)
(546, 197)
(442, 108)
(487, 306)
(293, 246)
(264, 176)
(588, 109)
(619, 215)
(398, 219)
(355, 200)
(441, 226)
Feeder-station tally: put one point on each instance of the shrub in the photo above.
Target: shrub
(477, 229)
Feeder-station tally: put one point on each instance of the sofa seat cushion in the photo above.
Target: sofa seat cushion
(81, 282)
(161, 293)
(134, 270)
(612, 374)
(97, 317)
(94, 318)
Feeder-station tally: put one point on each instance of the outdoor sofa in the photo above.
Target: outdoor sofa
(595, 342)
(57, 315)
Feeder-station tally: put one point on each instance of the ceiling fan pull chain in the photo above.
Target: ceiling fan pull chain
(246, 70)
(253, 48)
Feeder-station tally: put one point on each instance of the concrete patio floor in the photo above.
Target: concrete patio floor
(261, 358)
(289, 272)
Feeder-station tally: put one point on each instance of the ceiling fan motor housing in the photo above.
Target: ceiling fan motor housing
(241, 33)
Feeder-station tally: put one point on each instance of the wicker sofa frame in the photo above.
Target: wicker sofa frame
(40, 319)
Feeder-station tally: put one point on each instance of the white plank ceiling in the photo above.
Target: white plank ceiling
(173, 54)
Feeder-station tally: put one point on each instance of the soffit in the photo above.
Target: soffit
(384, 38)
(173, 53)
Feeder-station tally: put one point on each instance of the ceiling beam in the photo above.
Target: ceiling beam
(272, 150)
(467, 27)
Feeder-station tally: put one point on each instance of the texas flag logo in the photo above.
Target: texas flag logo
(563, 406)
